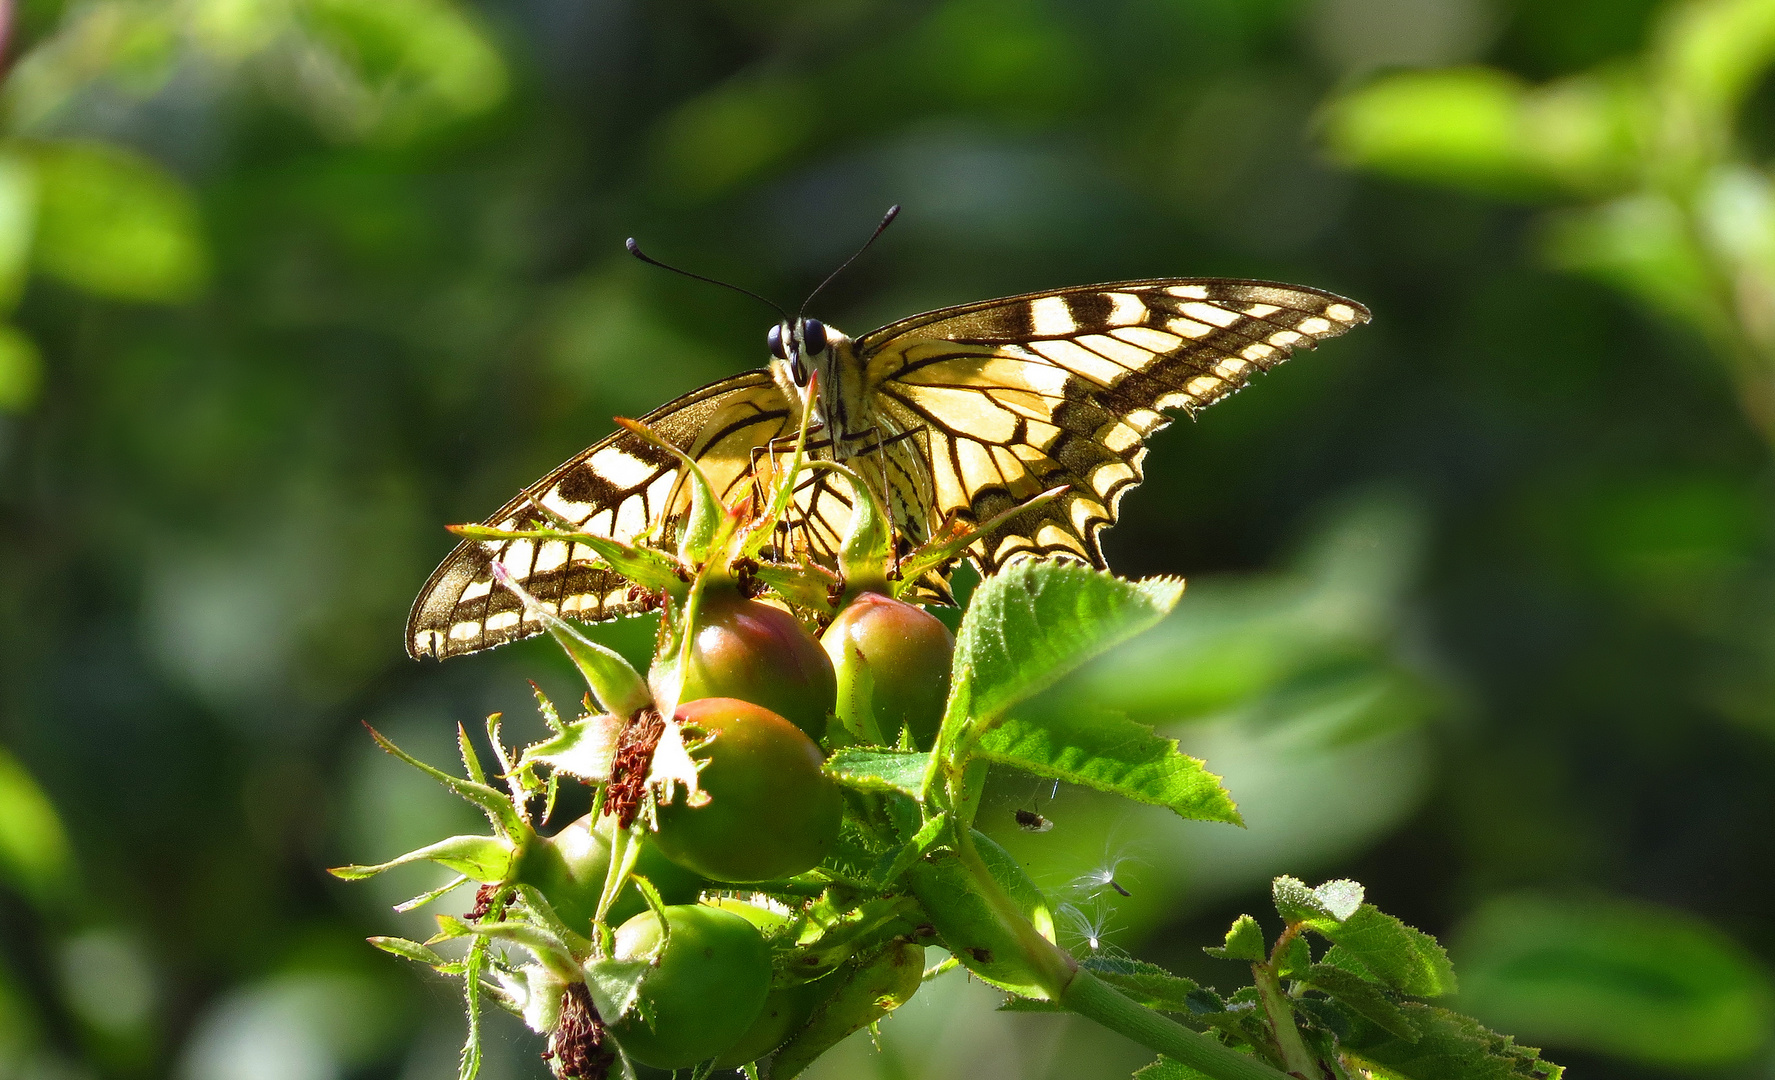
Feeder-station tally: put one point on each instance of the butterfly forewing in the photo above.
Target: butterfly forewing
(622, 487)
(1063, 388)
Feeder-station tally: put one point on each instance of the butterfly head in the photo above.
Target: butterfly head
(803, 347)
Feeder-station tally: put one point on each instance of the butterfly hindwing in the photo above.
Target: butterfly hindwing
(623, 487)
(1063, 388)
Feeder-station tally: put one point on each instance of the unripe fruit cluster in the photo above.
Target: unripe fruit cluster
(758, 692)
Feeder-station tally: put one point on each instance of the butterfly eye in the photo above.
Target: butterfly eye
(775, 340)
(813, 335)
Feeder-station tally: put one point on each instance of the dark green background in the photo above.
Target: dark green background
(1480, 609)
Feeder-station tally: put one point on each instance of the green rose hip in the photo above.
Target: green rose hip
(701, 993)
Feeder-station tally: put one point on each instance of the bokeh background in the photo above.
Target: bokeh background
(1482, 605)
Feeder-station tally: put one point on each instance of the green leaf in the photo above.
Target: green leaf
(114, 223)
(1362, 997)
(487, 859)
(1166, 1069)
(18, 217)
(1244, 941)
(1448, 1047)
(874, 768)
(1295, 902)
(1109, 752)
(1636, 981)
(1645, 245)
(1408, 960)
(35, 857)
(1031, 623)
(405, 65)
(1456, 126)
(1148, 984)
(1333, 901)
(409, 950)
(21, 370)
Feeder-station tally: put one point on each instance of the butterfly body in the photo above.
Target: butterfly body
(960, 413)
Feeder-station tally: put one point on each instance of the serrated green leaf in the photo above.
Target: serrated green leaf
(875, 768)
(1244, 941)
(1638, 981)
(1148, 984)
(1362, 997)
(1031, 623)
(1449, 1046)
(486, 859)
(1408, 960)
(1111, 753)
(1295, 902)
(1166, 1069)
(409, 950)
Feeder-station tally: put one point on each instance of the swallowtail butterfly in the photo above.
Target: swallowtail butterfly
(963, 412)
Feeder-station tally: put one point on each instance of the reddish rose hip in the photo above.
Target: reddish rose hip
(907, 652)
(758, 653)
(771, 812)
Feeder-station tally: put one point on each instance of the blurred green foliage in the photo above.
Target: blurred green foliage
(1480, 602)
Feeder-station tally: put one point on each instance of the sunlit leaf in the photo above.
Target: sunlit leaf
(35, 857)
(18, 223)
(1033, 622)
(876, 769)
(1244, 941)
(114, 223)
(1456, 126)
(1396, 955)
(1109, 752)
(1448, 1046)
(400, 66)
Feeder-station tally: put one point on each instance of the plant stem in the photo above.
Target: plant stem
(1091, 997)
(1295, 1055)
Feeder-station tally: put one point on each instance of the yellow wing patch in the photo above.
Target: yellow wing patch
(1032, 392)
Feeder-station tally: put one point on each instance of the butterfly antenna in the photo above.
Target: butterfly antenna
(635, 250)
(886, 220)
